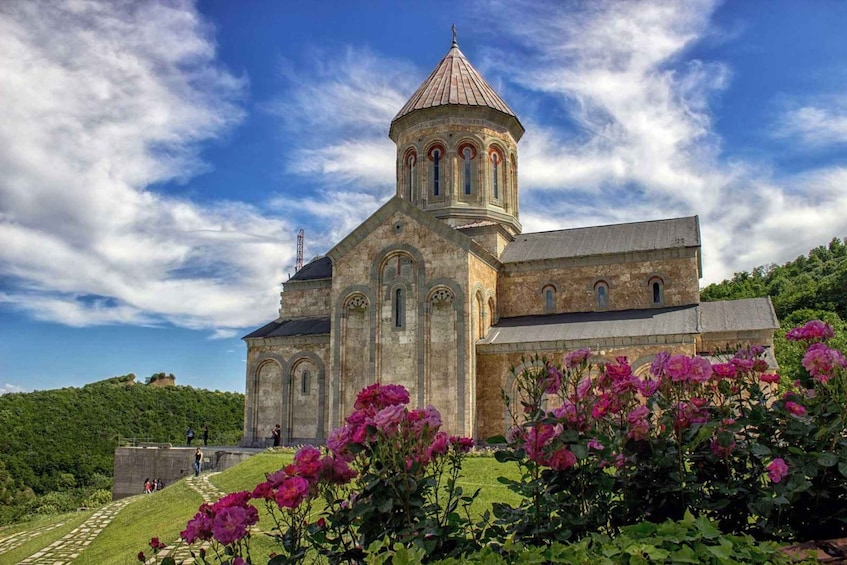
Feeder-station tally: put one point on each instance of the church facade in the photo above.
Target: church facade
(440, 291)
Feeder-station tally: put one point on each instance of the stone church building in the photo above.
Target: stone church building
(441, 291)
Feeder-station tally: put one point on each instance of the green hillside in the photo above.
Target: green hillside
(57, 446)
(812, 286)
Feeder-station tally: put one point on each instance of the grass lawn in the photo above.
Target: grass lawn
(164, 514)
(69, 522)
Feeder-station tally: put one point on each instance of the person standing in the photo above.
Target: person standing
(198, 460)
(206, 434)
(189, 435)
(277, 431)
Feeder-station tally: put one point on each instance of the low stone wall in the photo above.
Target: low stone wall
(161, 461)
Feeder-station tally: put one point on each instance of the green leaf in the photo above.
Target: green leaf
(495, 439)
(842, 468)
(827, 459)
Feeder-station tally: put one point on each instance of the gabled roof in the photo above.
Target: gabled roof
(603, 240)
(454, 82)
(319, 268)
(287, 328)
(414, 213)
(594, 325)
(744, 314)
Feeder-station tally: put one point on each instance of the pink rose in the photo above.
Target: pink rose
(678, 367)
(292, 492)
(562, 459)
(794, 408)
(777, 470)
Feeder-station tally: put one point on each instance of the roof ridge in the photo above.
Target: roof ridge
(657, 220)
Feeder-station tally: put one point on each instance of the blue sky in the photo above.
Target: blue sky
(158, 158)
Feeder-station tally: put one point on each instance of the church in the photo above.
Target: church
(440, 290)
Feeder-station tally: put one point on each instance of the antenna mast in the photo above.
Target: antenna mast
(300, 238)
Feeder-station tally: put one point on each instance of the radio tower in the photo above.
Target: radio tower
(299, 264)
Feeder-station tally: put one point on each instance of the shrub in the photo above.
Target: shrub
(604, 455)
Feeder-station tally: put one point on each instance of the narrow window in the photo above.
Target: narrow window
(435, 158)
(304, 383)
(549, 304)
(657, 292)
(398, 308)
(495, 174)
(411, 176)
(467, 154)
(602, 295)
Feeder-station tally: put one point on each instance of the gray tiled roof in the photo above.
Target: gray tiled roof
(601, 240)
(594, 325)
(287, 328)
(738, 315)
(454, 81)
(320, 268)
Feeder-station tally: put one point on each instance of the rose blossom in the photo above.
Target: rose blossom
(230, 524)
(388, 419)
(769, 378)
(813, 330)
(576, 358)
(678, 367)
(794, 408)
(562, 459)
(292, 492)
(777, 470)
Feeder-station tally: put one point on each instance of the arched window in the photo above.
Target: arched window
(436, 155)
(549, 300)
(399, 308)
(304, 383)
(601, 292)
(657, 290)
(496, 168)
(466, 154)
(410, 176)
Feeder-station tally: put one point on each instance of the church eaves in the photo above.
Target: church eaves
(455, 82)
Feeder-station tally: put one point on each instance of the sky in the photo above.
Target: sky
(157, 158)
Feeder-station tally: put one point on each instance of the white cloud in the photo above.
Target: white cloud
(345, 101)
(643, 145)
(10, 388)
(814, 125)
(100, 101)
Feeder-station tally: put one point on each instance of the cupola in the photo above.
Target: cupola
(457, 150)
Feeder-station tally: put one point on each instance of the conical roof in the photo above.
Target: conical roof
(454, 82)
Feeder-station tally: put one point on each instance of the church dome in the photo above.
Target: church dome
(455, 82)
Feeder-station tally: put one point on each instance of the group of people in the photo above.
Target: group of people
(189, 435)
(152, 486)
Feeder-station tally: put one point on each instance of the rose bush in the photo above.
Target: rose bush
(599, 448)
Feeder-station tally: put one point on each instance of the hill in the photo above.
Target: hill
(57, 446)
(812, 286)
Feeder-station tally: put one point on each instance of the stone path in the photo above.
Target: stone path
(65, 550)
(179, 550)
(11, 542)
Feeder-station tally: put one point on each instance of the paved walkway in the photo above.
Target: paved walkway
(179, 550)
(11, 542)
(68, 548)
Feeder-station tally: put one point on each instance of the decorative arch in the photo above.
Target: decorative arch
(410, 162)
(266, 395)
(496, 164)
(354, 324)
(436, 155)
(304, 415)
(656, 289)
(466, 155)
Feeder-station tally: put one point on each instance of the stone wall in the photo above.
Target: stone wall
(628, 278)
(306, 299)
(286, 384)
(494, 374)
(135, 464)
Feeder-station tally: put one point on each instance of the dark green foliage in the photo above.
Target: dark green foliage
(808, 288)
(689, 540)
(64, 440)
